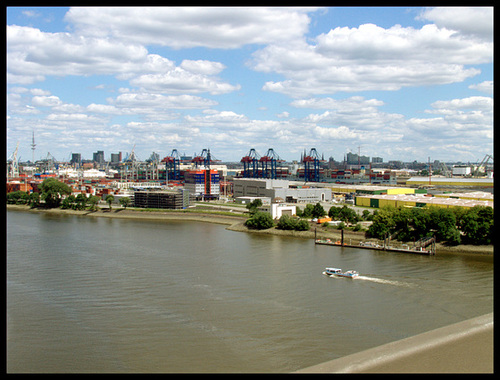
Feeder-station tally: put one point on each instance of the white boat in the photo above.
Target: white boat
(338, 272)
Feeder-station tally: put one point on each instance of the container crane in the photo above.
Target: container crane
(14, 167)
(172, 164)
(269, 164)
(483, 162)
(131, 160)
(251, 164)
(205, 159)
(311, 165)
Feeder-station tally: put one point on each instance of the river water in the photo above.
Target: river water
(114, 295)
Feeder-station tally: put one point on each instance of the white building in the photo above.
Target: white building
(461, 170)
(277, 210)
(273, 188)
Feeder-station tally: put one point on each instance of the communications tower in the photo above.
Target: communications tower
(33, 145)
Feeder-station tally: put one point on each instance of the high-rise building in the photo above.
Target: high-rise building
(76, 158)
(354, 159)
(116, 157)
(98, 157)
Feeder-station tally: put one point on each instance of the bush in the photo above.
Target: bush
(260, 221)
(302, 225)
(287, 223)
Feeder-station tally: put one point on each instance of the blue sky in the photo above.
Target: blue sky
(398, 83)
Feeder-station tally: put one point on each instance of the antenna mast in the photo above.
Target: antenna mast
(33, 145)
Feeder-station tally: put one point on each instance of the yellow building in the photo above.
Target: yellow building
(445, 181)
(416, 200)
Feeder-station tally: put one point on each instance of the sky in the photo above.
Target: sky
(398, 83)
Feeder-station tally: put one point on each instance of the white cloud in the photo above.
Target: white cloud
(179, 81)
(187, 27)
(33, 54)
(467, 121)
(372, 58)
(476, 21)
(148, 100)
(486, 87)
(202, 67)
(357, 103)
(46, 101)
(479, 103)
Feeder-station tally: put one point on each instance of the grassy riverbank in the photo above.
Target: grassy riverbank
(235, 222)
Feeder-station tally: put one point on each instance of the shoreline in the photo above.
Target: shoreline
(236, 223)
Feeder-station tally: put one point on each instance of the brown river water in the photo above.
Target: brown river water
(113, 295)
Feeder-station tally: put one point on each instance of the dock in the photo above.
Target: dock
(420, 248)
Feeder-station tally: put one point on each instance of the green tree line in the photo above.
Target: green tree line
(454, 225)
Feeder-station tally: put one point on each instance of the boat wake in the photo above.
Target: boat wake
(383, 281)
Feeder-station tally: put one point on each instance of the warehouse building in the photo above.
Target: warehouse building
(445, 181)
(416, 200)
(280, 188)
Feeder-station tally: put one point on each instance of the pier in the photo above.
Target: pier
(420, 247)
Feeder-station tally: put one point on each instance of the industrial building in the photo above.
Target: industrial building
(280, 188)
(447, 181)
(162, 199)
(202, 184)
(374, 190)
(416, 200)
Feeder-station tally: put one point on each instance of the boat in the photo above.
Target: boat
(338, 272)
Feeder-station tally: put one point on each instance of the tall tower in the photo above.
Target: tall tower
(33, 145)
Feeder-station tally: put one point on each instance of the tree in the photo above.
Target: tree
(443, 221)
(109, 199)
(68, 202)
(308, 211)
(367, 215)
(318, 211)
(16, 197)
(260, 221)
(94, 201)
(383, 222)
(34, 199)
(421, 222)
(254, 205)
(81, 201)
(334, 212)
(477, 225)
(347, 214)
(125, 201)
(403, 224)
(52, 191)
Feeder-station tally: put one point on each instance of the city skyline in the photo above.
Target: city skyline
(401, 83)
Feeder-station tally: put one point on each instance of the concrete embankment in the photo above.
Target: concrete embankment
(464, 347)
